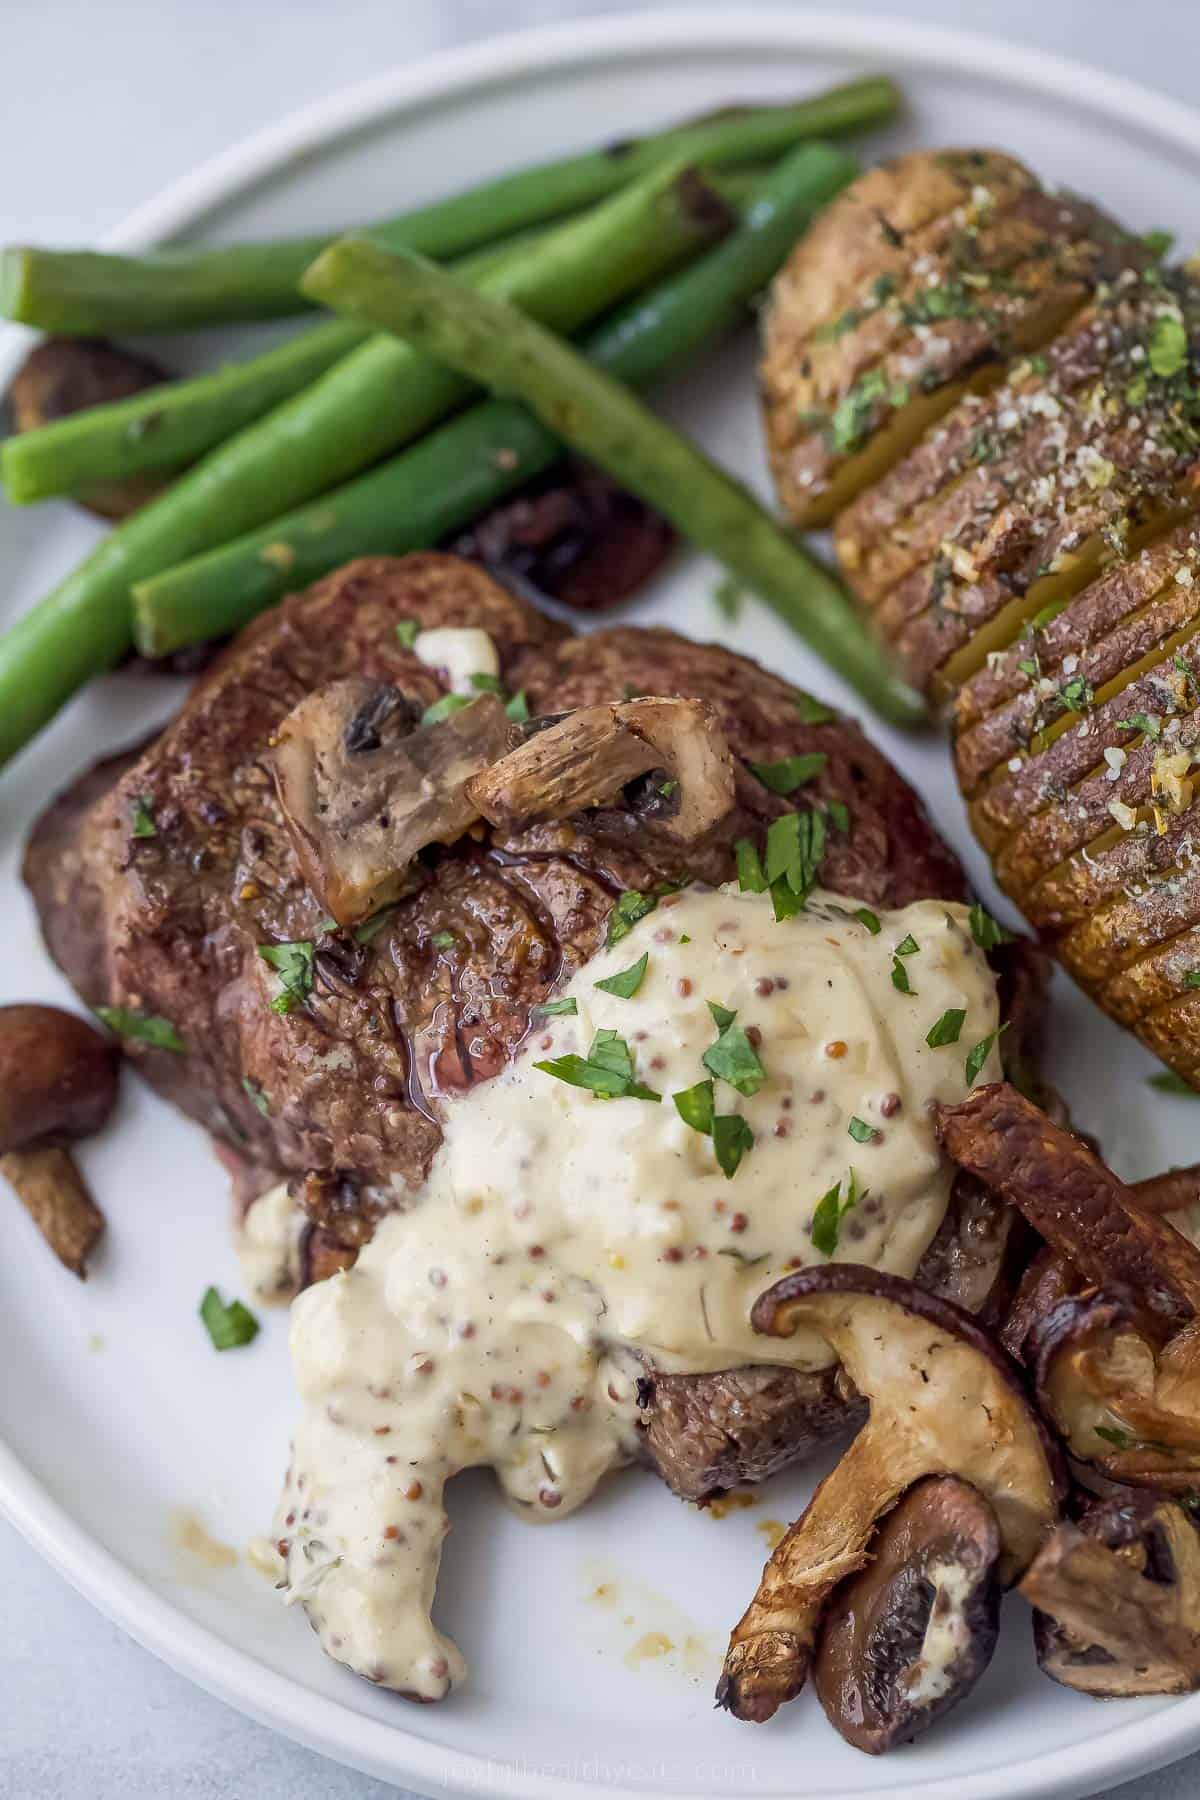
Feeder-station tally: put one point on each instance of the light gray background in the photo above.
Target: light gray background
(103, 103)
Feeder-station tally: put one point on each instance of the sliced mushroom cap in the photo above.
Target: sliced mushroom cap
(943, 1401)
(587, 759)
(1046, 1280)
(364, 786)
(58, 1083)
(66, 375)
(1122, 1399)
(1078, 1205)
(1117, 1600)
(909, 1636)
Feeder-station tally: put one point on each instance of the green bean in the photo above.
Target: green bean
(597, 415)
(373, 400)
(81, 292)
(417, 498)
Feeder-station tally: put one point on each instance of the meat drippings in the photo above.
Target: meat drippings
(564, 1242)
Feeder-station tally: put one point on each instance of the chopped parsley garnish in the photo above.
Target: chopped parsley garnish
(1112, 1434)
(406, 631)
(1168, 346)
(860, 1131)
(626, 982)
(831, 1209)
(986, 931)
(695, 1107)
(147, 1028)
(142, 818)
(949, 301)
(1168, 1082)
(517, 708)
(728, 597)
(734, 1059)
(443, 940)
(721, 1015)
(839, 816)
(228, 1326)
(1180, 661)
(370, 928)
(908, 946)
(1159, 242)
(1146, 723)
(484, 683)
(293, 963)
(790, 772)
(900, 979)
(667, 788)
(752, 877)
(1077, 694)
(947, 1029)
(795, 846)
(812, 712)
(732, 1138)
(606, 1070)
(979, 1055)
(1192, 978)
(445, 708)
(1030, 666)
(554, 1009)
(256, 1095)
(866, 917)
(852, 418)
(632, 906)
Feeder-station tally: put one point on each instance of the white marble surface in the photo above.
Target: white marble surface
(105, 101)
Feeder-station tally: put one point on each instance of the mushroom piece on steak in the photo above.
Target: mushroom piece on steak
(364, 785)
(1117, 1600)
(943, 1401)
(909, 1636)
(588, 757)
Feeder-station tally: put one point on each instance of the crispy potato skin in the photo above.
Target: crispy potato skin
(925, 274)
(1030, 549)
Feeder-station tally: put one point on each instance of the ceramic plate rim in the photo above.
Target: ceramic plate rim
(325, 1724)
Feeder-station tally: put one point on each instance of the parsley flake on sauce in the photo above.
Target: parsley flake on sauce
(553, 1009)
(752, 877)
(861, 1132)
(732, 1138)
(293, 963)
(979, 1055)
(866, 917)
(606, 1070)
(626, 982)
(695, 1107)
(831, 1209)
(734, 1059)
(947, 1028)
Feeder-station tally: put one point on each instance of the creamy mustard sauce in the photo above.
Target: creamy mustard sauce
(268, 1243)
(565, 1242)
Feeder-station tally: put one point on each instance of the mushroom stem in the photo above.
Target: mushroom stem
(56, 1197)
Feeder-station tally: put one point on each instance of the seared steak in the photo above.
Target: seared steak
(342, 1092)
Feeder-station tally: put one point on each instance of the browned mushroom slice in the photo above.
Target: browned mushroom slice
(577, 537)
(1046, 1281)
(943, 1401)
(1169, 1192)
(1122, 1400)
(364, 786)
(1118, 1600)
(58, 1082)
(909, 1636)
(1068, 1195)
(66, 375)
(592, 754)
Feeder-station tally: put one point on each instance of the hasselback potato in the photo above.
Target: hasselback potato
(1013, 504)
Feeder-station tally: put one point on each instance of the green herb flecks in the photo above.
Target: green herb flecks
(558, 1009)
(141, 818)
(446, 707)
(145, 1028)
(861, 1132)
(695, 1107)
(812, 711)
(1168, 1082)
(732, 1138)
(947, 1028)
(443, 940)
(866, 917)
(626, 982)
(293, 963)
(606, 1070)
(1168, 346)
(733, 1057)
(752, 877)
(978, 1055)
(256, 1096)
(229, 1326)
(406, 631)
(987, 932)
(795, 846)
(831, 1209)
(632, 906)
(790, 772)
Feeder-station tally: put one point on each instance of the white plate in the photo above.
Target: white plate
(114, 1412)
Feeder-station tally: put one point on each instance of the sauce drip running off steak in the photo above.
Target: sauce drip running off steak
(564, 1241)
